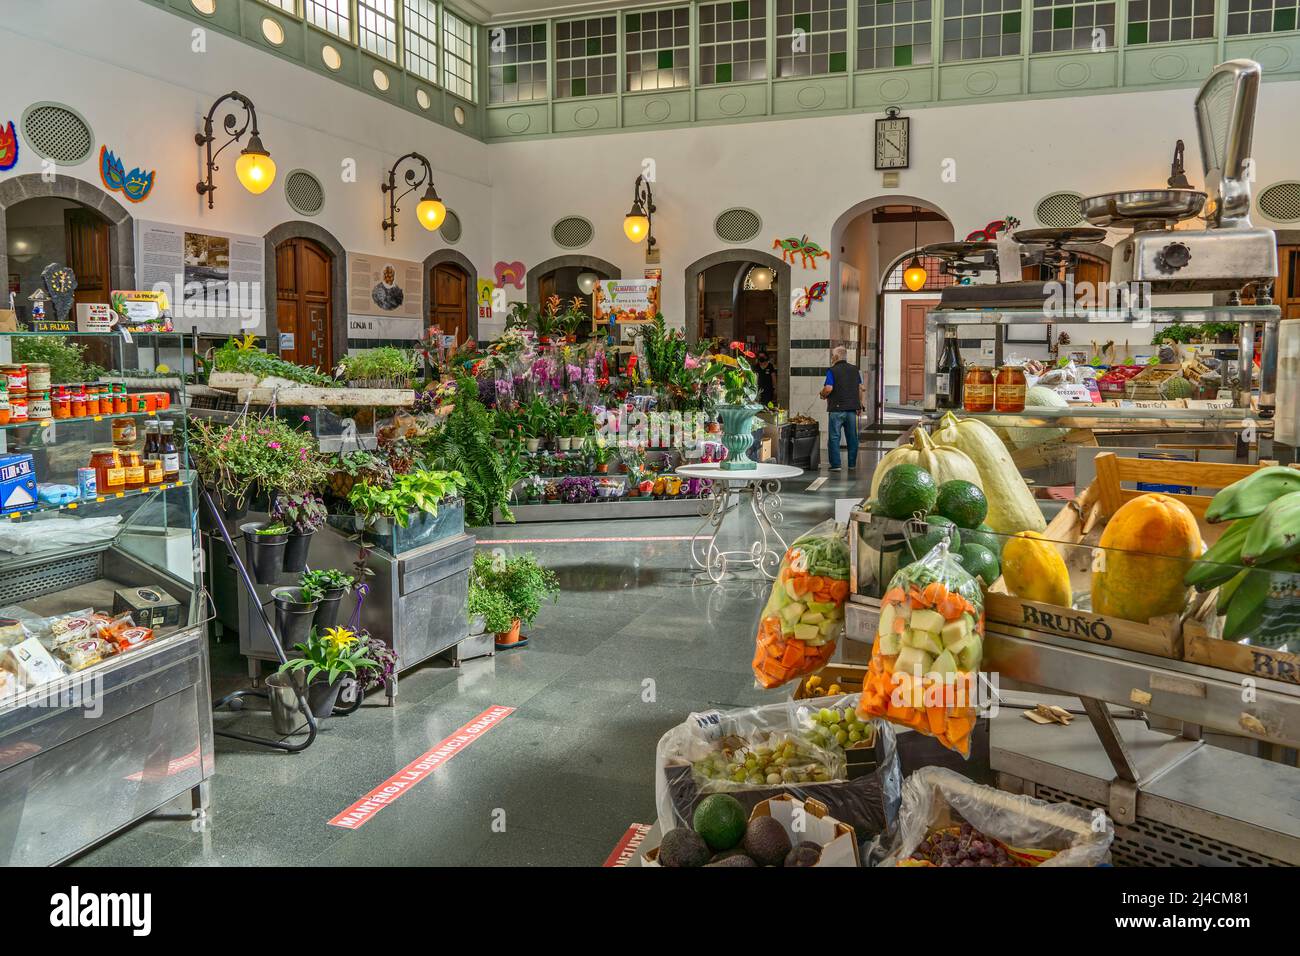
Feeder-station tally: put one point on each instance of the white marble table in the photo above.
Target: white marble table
(761, 486)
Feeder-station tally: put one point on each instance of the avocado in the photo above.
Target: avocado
(907, 490)
(985, 537)
(683, 847)
(981, 563)
(806, 853)
(720, 819)
(963, 502)
(734, 858)
(766, 841)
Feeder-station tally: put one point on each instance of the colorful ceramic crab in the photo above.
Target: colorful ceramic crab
(8, 147)
(990, 232)
(808, 251)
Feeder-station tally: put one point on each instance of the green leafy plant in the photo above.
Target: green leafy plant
(66, 359)
(599, 452)
(257, 454)
(538, 419)
(336, 653)
(417, 491)
(384, 366)
(314, 584)
(464, 443)
(1178, 332)
(276, 527)
(503, 590)
(304, 513)
(738, 379)
(239, 355)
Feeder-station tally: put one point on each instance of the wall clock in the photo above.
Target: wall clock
(893, 140)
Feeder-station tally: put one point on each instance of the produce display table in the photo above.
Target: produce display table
(762, 487)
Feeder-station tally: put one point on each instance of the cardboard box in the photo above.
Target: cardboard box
(803, 821)
(17, 483)
(31, 663)
(149, 606)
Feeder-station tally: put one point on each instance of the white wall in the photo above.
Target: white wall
(144, 92)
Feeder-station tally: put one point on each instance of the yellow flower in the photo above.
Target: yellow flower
(339, 636)
(162, 369)
(725, 360)
(246, 342)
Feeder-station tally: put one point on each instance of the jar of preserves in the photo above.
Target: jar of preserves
(4, 402)
(119, 398)
(133, 466)
(110, 475)
(16, 376)
(61, 402)
(977, 389)
(38, 377)
(124, 432)
(17, 408)
(39, 407)
(1009, 389)
(77, 396)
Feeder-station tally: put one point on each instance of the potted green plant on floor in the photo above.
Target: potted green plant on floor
(325, 658)
(508, 593)
(303, 515)
(331, 585)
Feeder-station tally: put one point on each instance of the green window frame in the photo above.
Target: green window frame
(894, 33)
(1246, 17)
(420, 38)
(657, 49)
(458, 39)
(1169, 21)
(586, 56)
(285, 6)
(377, 28)
(1059, 25)
(980, 29)
(812, 37)
(732, 41)
(516, 63)
(332, 16)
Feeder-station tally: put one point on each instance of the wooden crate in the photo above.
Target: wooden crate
(1078, 526)
(848, 676)
(262, 391)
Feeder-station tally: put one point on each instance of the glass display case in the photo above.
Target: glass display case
(105, 709)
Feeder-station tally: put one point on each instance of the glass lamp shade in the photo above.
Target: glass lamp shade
(255, 169)
(431, 212)
(914, 277)
(760, 278)
(636, 226)
(587, 281)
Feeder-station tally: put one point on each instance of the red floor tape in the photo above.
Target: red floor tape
(669, 537)
(626, 848)
(415, 771)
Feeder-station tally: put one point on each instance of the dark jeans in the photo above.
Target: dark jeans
(846, 422)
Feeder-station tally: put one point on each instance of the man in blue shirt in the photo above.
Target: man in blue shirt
(843, 394)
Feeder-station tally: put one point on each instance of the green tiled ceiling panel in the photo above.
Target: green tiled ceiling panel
(1183, 64)
(1083, 71)
(653, 109)
(977, 80)
(730, 102)
(585, 114)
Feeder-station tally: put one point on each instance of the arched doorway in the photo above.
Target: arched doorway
(304, 302)
(311, 294)
(716, 285)
(902, 314)
(451, 294)
(866, 242)
(559, 276)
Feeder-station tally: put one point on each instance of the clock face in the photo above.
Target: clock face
(892, 142)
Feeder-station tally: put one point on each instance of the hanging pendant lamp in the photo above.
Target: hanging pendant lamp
(914, 276)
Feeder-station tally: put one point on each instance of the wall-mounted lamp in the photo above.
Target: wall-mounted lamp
(255, 169)
(638, 224)
(431, 212)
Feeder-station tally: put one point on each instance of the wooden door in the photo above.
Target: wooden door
(449, 305)
(304, 274)
(86, 241)
(1287, 292)
(912, 372)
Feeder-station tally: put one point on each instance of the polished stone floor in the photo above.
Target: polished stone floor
(558, 781)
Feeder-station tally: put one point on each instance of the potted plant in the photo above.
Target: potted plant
(600, 454)
(538, 421)
(383, 367)
(634, 476)
(303, 515)
(295, 611)
(264, 543)
(508, 593)
(330, 584)
(577, 489)
(255, 457)
(534, 488)
(410, 500)
(552, 491)
(739, 386)
(326, 657)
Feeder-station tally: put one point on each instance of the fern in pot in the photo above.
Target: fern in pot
(303, 515)
(409, 501)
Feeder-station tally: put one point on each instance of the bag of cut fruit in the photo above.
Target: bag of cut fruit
(804, 615)
(925, 661)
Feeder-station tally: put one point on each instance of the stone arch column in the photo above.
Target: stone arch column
(576, 260)
(471, 304)
(783, 279)
(300, 229)
(121, 226)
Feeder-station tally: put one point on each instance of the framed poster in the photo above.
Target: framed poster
(385, 297)
(212, 279)
(625, 301)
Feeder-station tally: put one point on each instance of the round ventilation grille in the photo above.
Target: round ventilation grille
(1060, 210)
(450, 229)
(1281, 202)
(304, 192)
(57, 133)
(737, 225)
(572, 232)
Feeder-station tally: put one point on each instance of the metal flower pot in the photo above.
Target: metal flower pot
(282, 690)
(327, 611)
(294, 617)
(265, 551)
(295, 552)
(322, 696)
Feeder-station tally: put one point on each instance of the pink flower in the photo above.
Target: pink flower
(306, 418)
(273, 444)
(692, 361)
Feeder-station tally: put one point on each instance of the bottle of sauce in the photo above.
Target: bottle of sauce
(152, 453)
(171, 457)
(952, 373)
(977, 389)
(1009, 389)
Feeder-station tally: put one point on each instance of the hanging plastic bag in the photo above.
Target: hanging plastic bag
(804, 615)
(925, 661)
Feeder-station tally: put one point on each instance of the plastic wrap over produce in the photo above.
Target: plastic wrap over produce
(788, 747)
(804, 615)
(51, 534)
(1028, 832)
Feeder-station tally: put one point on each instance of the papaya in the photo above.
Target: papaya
(1033, 569)
(1148, 545)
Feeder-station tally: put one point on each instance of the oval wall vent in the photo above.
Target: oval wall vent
(572, 232)
(304, 192)
(737, 225)
(1060, 210)
(57, 133)
(1280, 202)
(451, 228)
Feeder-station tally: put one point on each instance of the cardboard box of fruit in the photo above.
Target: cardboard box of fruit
(780, 831)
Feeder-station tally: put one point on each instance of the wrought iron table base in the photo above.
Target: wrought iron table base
(764, 499)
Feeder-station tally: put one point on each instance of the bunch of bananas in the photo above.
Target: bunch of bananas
(1264, 509)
